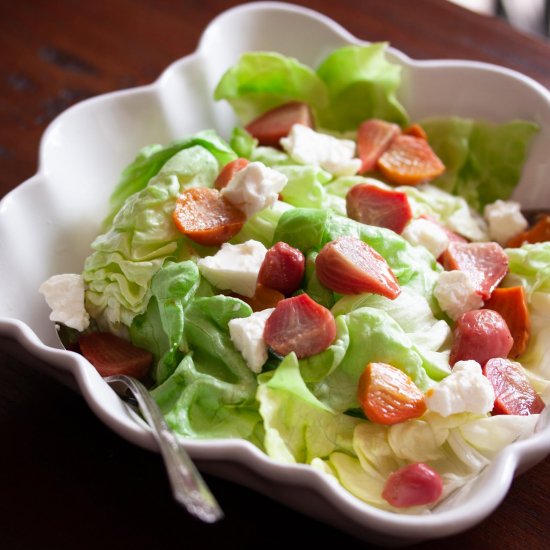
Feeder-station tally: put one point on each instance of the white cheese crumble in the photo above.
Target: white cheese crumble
(334, 155)
(247, 335)
(235, 267)
(65, 295)
(254, 188)
(427, 234)
(505, 220)
(456, 293)
(465, 390)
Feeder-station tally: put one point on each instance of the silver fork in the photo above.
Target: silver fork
(188, 486)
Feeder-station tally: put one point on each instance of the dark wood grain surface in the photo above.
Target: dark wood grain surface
(66, 480)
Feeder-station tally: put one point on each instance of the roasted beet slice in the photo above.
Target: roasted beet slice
(480, 334)
(373, 138)
(228, 171)
(388, 396)
(416, 130)
(283, 268)
(275, 124)
(206, 216)
(110, 354)
(413, 485)
(347, 265)
(374, 205)
(485, 263)
(510, 302)
(263, 298)
(513, 391)
(409, 160)
(539, 233)
(299, 325)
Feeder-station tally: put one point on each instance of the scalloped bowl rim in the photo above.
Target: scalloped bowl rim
(397, 528)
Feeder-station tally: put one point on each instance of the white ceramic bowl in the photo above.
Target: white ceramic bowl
(81, 156)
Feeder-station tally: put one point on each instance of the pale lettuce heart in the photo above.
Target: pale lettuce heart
(451, 210)
(458, 448)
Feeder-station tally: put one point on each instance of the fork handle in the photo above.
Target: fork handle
(188, 486)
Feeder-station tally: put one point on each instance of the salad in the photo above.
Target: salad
(335, 283)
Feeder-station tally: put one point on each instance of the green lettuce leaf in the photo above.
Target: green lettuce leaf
(483, 161)
(211, 394)
(361, 84)
(151, 159)
(308, 229)
(368, 335)
(312, 286)
(202, 406)
(141, 238)
(261, 226)
(270, 156)
(305, 185)
(242, 142)
(352, 84)
(412, 313)
(529, 267)
(428, 338)
(298, 427)
(161, 328)
(261, 81)
(340, 186)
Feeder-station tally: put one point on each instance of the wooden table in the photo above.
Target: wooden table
(66, 480)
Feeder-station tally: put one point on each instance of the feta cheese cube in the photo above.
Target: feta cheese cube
(65, 295)
(335, 155)
(456, 293)
(505, 220)
(235, 267)
(427, 234)
(254, 188)
(465, 390)
(247, 333)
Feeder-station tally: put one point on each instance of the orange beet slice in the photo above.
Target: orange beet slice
(511, 304)
(410, 160)
(207, 217)
(373, 138)
(388, 396)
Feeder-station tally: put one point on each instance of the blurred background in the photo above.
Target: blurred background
(530, 16)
